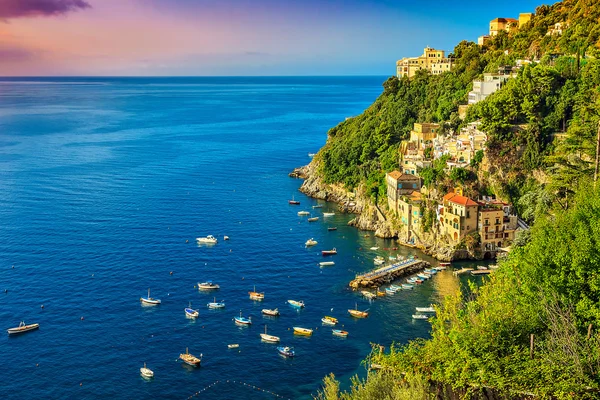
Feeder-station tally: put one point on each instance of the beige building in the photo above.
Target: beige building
(458, 216)
(398, 185)
(525, 18)
(433, 60)
(496, 225)
(483, 39)
(409, 211)
(502, 24)
(424, 133)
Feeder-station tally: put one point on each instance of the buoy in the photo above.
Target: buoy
(42, 306)
(5, 290)
(171, 273)
(81, 384)
(187, 241)
(13, 266)
(37, 365)
(82, 318)
(242, 278)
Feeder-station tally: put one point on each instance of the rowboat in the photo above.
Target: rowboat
(482, 268)
(332, 228)
(298, 304)
(391, 258)
(286, 351)
(395, 287)
(425, 309)
(328, 214)
(329, 320)
(190, 312)
(254, 295)
(390, 291)
(318, 206)
(243, 320)
(374, 247)
(329, 252)
(146, 372)
(22, 328)
(407, 286)
(190, 359)
(313, 219)
(420, 316)
(269, 338)
(339, 332)
(358, 314)
(302, 213)
(216, 304)
(368, 295)
(445, 264)
(149, 300)
(310, 242)
(233, 346)
(431, 271)
(326, 263)
(302, 331)
(424, 276)
(210, 239)
(380, 293)
(208, 285)
(273, 313)
(225, 237)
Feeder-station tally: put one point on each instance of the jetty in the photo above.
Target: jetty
(389, 273)
(481, 272)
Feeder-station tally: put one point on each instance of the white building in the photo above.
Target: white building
(482, 88)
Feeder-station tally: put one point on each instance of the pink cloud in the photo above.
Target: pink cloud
(35, 8)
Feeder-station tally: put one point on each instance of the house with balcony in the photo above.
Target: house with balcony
(482, 88)
(435, 61)
(458, 217)
(398, 185)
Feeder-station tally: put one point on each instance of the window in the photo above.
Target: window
(468, 214)
(506, 235)
(497, 221)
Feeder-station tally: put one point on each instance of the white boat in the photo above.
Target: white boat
(374, 248)
(310, 242)
(392, 258)
(233, 346)
(326, 263)
(269, 338)
(297, 304)
(215, 304)
(328, 214)
(225, 237)
(146, 372)
(425, 309)
(303, 213)
(22, 328)
(190, 312)
(313, 219)
(420, 316)
(272, 313)
(379, 260)
(149, 300)
(210, 239)
(208, 285)
(312, 154)
(368, 295)
(329, 320)
(318, 206)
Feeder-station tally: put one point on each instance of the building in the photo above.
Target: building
(399, 184)
(483, 39)
(482, 88)
(410, 211)
(525, 18)
(556, 29)
(433, 60)
(502, 24)
(496, 225)
(424, 133)
(458, 217)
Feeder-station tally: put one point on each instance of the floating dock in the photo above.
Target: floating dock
(481, 272)
(389, 273)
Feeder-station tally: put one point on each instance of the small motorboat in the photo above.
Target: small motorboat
(190, 359)
(482, 268)
(269, 338)
(286, 351)
(190, 312)
(225, 237)
(312, 154)
(425, 309)
(302, 331)
(368, 295)
(358, 314)
(420, 316)
(391, 258)
(233, 346)
(310, 242)
(149, 300)
(379, 260)
(326, 263)
(210, 239)
(303, 213)
(243, 320)
(215, 304)
(258, 296)
(390, 291)
(329, 320)
(318, 206)
(146, 372)
(329, 252)
(294, 202)
(339, 332)
(332, 228)
(297, 304)
(407, 286)
(272, 313)
(424, 276)
(445, 264)
(208, 285)
(395, 287)
(374, 247)
(380, 293)
(328, 214)
(22, 328)
(313, 219)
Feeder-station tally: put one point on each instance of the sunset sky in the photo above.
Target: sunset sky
(233, 37)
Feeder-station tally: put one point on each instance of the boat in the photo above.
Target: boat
(269, 338)
(233, 346)
(312, 154)
(407, 286)
(332, 228)
(358, 314)
(379, 260)
(254, 295)
(420, 316)
(298, 304)
(380, 293)
(423, 276)
(391, 258)
(310, 242)
(368, 295)
(440, 268)
(272, 313)
(318, 206)
(390, 291)
(286, 351)
(22, 328)
(149, 300)
(146, 372)
(313, 219)
(208, 285)
(425, 309)
(225, 237)
(189, 359)
(190, 312)
(445, 264)
(302, 331)
(216, 304)
(395, 287)
(210, 239)
(326, 263)
(328, 214)
(482, 268)
(462, 271)
(329, 320)
(373, 248)
(293, 201)
(243, 320)
(329, 252)
(302, 213)
(430, 271)
(339, 332)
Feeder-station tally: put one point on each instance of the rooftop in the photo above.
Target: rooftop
(460, 200)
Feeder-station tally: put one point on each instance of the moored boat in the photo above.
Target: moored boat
(423, 276)
(189, 359)
(425, 309)
(313, 219)
(339, 332)
(208, 285)
(22, 328)
(420, 316)
(286, 351)
(328, 214)
(293, 202)
(190, 312)
(379, 260)
(216, 304)
(254, 295)
(210, 239)
(303, 213)
(318, 206)
(390, 291)
(329, 252)
(332, 228)
(272, 313)
(146, 372)
(243, 320)
(310, 242)
(302, 331)
(149, 300)
(368, 294)
(329, 320)
(407, 286)
(358, 314)
(233, 346)
(326, 263)
(298, 304)
(269, 338)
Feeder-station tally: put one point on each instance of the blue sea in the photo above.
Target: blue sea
(104, 185)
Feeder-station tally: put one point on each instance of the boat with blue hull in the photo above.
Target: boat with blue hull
(286, 351)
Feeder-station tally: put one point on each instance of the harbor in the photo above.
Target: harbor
(389, 273)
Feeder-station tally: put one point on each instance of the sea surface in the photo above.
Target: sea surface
(104, 186)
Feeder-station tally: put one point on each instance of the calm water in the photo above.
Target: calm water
(102, 184)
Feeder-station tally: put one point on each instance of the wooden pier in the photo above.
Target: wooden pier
(388, 273)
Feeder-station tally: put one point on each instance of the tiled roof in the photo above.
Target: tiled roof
(460, 200)
(395, 174)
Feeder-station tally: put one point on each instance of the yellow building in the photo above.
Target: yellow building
(433, 60)
(399, 184)
(496, 228)
(502, 24)
(525, 18)
(423, 133)
(458, 217)
(409, 211)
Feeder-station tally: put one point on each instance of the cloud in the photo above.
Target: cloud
(14, 54)
(39, 8)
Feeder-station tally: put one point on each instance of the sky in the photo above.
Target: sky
(233, 37)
